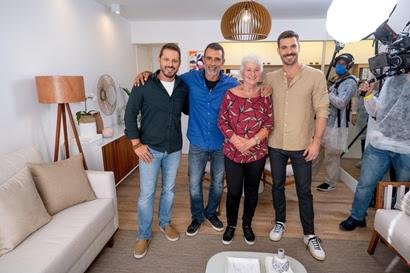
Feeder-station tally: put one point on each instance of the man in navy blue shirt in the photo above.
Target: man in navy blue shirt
(157, 142)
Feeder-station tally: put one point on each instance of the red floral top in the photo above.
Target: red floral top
(245, 117)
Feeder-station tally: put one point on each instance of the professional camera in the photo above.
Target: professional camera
(397, 58)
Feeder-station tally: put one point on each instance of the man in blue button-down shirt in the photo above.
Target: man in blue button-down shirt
(206, 90)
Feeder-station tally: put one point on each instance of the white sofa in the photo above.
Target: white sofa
(74, 236)
(391, 225)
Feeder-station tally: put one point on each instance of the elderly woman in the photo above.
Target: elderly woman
(245, 120)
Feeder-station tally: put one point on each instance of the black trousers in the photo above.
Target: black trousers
(302, 170)
(242, 176)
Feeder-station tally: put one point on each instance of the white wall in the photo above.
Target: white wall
(52, 37)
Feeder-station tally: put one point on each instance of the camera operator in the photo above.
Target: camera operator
(335, 137)
(389, 142)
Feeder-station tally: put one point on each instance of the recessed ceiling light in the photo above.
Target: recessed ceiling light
(116, 8)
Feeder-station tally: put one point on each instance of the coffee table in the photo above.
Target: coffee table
(217, 263)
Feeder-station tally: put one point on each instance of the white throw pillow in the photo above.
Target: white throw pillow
(21, 210)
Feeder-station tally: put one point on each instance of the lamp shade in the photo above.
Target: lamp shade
(60, 89)
(246, 21)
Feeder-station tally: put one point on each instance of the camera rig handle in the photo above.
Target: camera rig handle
(338, 46)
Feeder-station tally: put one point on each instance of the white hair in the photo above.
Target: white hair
(252, 58)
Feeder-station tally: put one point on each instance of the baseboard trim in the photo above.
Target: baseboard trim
(349, 180)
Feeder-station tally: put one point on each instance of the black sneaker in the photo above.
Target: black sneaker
(249, 235)
(215, 223)
(228, 235)
(193, 228)
(325, 187)
(350, 224)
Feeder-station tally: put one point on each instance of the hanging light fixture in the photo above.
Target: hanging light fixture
(246, 21)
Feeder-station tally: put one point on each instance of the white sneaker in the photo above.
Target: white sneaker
(277, 231)
(313, 243)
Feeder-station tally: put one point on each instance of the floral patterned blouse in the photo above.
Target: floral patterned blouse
(245, 117)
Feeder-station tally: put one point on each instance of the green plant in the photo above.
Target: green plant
(126, 90)
(79, 114)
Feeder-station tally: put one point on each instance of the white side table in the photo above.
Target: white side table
(109, 154)
(218, 262)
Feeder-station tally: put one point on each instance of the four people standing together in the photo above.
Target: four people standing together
(235, 127)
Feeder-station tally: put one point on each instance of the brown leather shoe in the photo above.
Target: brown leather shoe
(141, 248)
(170, 233)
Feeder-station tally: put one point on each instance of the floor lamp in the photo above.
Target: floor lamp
(62, 90)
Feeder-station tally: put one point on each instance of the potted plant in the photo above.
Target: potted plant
(85, 116)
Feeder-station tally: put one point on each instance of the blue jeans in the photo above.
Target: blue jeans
(197, 159)
(375, 164)
(168, 163)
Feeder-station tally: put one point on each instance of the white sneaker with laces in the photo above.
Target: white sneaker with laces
(313, 243)
(277, 231)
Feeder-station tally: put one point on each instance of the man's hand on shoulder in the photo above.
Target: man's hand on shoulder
(141, 78)
(266, 90)
(312, 151)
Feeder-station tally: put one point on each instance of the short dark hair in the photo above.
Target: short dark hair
(171, 46)
(288, 34)
(216, 46)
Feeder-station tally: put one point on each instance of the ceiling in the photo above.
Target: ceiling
(174, 10)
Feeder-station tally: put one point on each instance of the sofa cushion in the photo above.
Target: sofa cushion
(393, 225)
(58, 245)
(21, 210)
(62, 184)
(405, 203)
(12, 163)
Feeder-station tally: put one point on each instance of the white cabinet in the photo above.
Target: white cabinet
(361, 51)
(311, 52)
(235, 51)
(109, 154)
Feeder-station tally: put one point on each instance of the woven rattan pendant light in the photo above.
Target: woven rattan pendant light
(246, 21)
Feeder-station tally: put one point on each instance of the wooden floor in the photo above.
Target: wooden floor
(330, 208)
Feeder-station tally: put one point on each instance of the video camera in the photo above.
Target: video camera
(396, 60)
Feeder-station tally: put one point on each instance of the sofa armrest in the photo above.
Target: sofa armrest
(103, 185)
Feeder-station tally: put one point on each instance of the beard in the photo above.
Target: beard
(212, 71)
(169, 72)
(287, 61)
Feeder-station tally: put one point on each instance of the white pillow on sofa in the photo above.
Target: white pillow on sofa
(405, 203)
(21, 210)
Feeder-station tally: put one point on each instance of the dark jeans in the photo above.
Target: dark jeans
(242, 176)
(302, 170)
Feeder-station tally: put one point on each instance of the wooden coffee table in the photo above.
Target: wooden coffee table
(218, 262)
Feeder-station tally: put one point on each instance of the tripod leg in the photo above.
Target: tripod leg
(58, 126)
(67, 151)
(77, 139)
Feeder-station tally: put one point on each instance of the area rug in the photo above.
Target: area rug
(190, 255)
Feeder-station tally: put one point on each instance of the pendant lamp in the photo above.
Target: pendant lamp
(246, 21)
